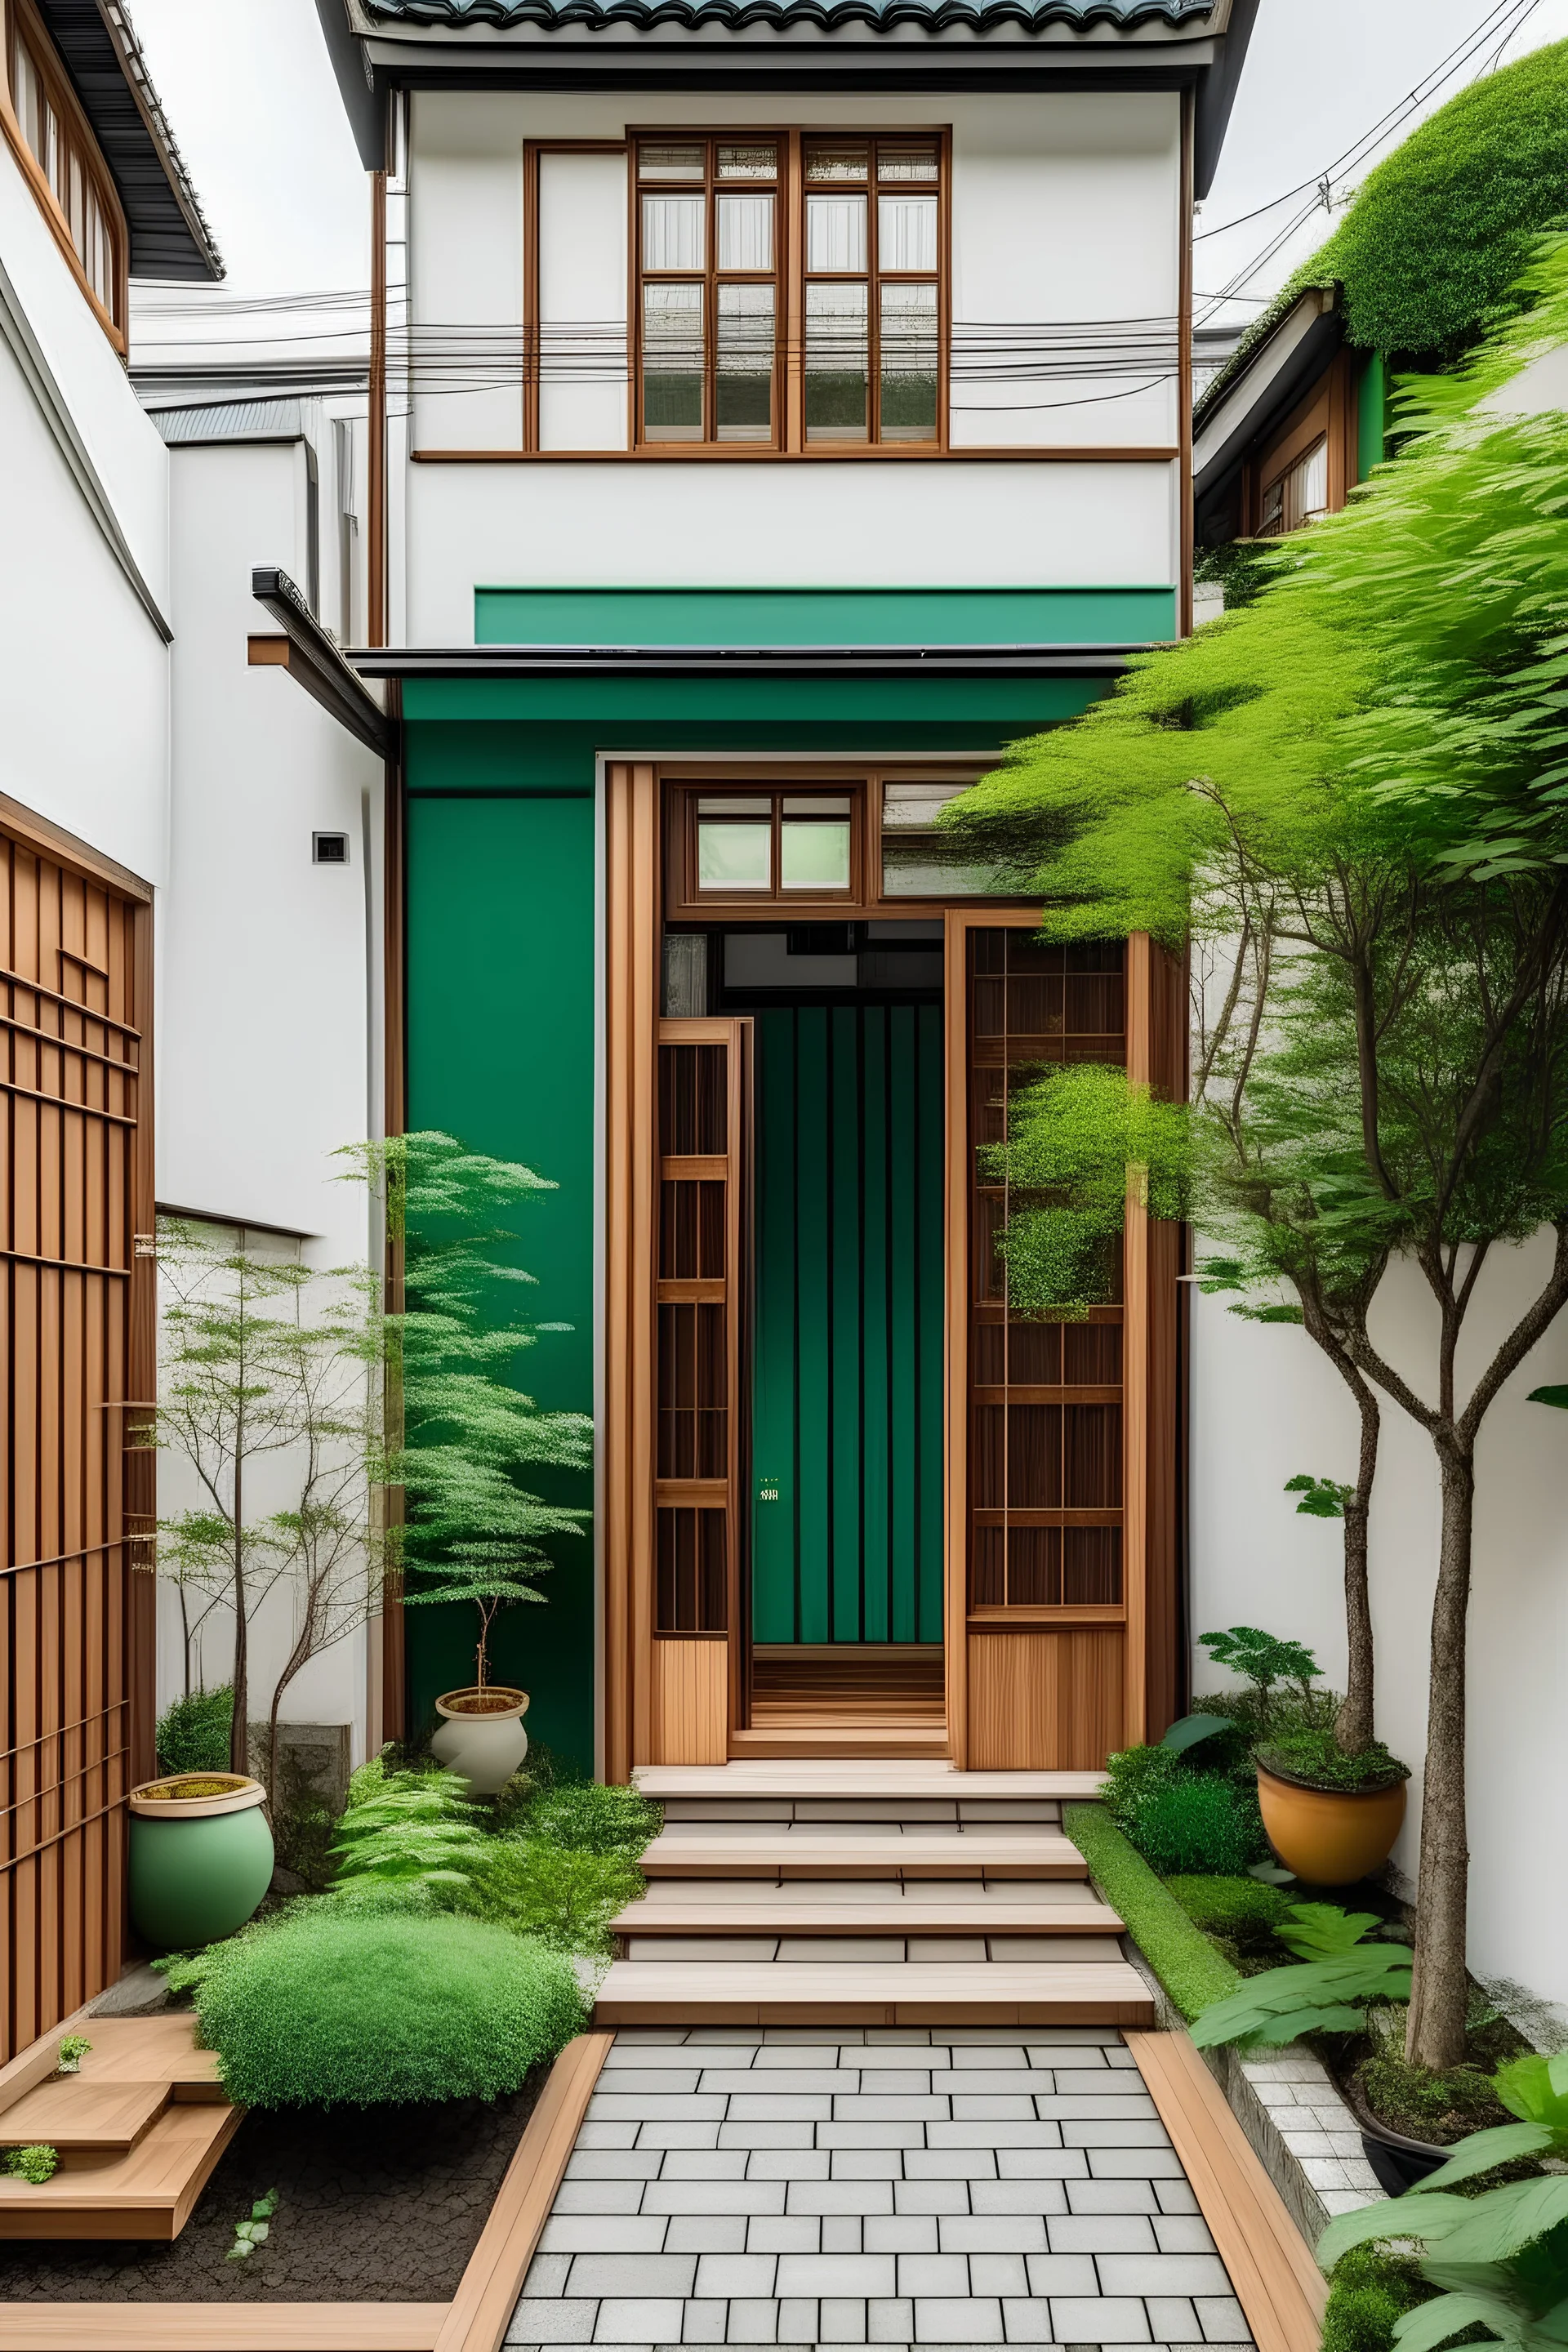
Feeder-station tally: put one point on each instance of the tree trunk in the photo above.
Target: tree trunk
(239, 1731)
(1354, 1728)
(1440, 1992)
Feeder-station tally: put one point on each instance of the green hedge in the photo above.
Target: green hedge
(1193, 1973)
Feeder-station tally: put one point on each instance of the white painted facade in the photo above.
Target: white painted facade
(1065, 231)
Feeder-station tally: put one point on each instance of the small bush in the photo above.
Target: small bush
(586, 1817)
(332, 2007)
(1370, 2291)
(564, 1897)
(194, 1733)
(1423, 2105)
(1242, 1910)
(1201, 1823)
(36, 2164)
(1316, 1759)
(1193, 1973)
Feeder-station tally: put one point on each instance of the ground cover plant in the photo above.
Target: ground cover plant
(325, 2008)
(1192, 1970)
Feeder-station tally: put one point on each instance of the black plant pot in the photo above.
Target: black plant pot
(1398, 2162)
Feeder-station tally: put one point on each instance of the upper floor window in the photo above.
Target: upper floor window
(744, 340)
(76, 191)
(1299, 495)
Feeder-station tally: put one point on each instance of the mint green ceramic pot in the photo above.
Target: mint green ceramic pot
(199, 1864)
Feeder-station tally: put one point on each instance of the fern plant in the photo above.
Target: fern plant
(1327, 1994)
(413, 1836)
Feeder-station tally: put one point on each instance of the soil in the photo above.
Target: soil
(497, 1701)
(383, 2205)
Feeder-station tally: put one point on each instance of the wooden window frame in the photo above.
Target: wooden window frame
(21, 27)
(788, 276)
(778, 278)
(686, 906)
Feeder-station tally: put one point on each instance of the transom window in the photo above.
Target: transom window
(57, 136)
(719, 360)
(774, 845)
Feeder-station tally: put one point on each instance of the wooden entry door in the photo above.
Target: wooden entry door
(77, 1343)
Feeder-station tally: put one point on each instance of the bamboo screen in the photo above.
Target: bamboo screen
(77, 1346)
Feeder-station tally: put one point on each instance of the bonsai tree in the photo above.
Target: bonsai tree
(1371, 763)
(463, 1440)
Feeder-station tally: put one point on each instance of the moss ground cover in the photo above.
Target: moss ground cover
(1188, 1964)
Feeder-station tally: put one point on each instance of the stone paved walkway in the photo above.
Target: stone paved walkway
(893, 2186)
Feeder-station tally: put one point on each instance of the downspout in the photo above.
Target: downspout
(375, 556)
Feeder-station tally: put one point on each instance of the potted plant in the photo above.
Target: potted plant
(201, 1857)
(482, 1734)
(1331, 1814)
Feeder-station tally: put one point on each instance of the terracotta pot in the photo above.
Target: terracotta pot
(484, 1747)
(1330, 1837)
(199, 1864)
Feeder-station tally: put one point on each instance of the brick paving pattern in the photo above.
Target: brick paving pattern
(898, 2186)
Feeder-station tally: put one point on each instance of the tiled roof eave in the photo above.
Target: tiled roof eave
(1091, 17)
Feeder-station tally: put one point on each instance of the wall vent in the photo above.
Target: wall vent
(329, 849)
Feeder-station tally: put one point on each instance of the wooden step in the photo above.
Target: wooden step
(146, 2193)
(762, 1992)
(916, 1741)
(222, 2327)
(866, 1854)
(74, 2115)
(149, 2050)
(852, 1777)
(781, 1915)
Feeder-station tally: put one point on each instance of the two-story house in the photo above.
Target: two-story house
(786, 407)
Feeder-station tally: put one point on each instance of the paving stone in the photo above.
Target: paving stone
(951, 2320)
(1045, 2197)
(704, 2164)
(784, 2233)
(660, 2081)
(1172, 2318)
(900, 2233)
(1176, 2196)
(1222, 2320)
(1026, 2320)
(800, 2081)
(1000, 2274)
(839, 2197)
(736, 2274)
(1112, 2197)
(612, 2164)
(649, 2106)
(878, 2106)
(1135, 2164)
(598, 2136)
(635, 2319)
(1042, 2164)
(890, 2319)
(1182, 2233)
(841, 2319)
(786, 2163)
(635, 2275)
(625, 2057)
(551, 2321)
(777, 2053)
(599, 2196)
(991, 2106)
(547, 2275)
(950, 2163)
(995, 2134)
(836, 2274)
(865, 2163)
(797, 2319)
(708, 2233)
(674, 2135)
(1103, 2113)
(1057, 2274)
(985, 2082)
(841, 2234)
(993, 2233)
(780, 2107)
(774, 2135)
(1103, 2321)
(753, 2323)
(938, 2273)
(1103, 2233)
(1163, 2274)
(1101, 2081)
(704, 2323)
(882, 2135)
(714, 2197)
(606, 2233)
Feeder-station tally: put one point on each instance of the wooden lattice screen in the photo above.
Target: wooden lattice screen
(77, 1350)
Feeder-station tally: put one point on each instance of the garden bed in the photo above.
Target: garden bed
(379, 2205)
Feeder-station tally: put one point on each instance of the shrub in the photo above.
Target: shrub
(1242, 1910)
(562, 1895)
(586, 1817)
(194, 1733)
(1370, 2291)
(1314, 1759)
(410, 1835)
(36, 2164)
(327, 2008)
(1201, 1823)
(1193, 1973)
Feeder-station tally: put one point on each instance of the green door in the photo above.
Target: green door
(847, 1375)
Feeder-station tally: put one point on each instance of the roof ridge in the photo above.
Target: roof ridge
(502, 16)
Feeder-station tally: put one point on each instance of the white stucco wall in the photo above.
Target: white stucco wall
(1266, 1404)
(268, 1058)
(84, 721)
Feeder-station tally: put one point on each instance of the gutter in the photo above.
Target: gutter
(743, 661)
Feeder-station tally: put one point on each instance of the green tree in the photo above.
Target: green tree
(1368, 765)
(463, 1442)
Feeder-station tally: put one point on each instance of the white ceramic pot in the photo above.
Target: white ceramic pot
(484, 1749)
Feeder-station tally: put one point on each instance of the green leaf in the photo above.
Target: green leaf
(1553, 1393)
(1448, 2315)
(1479, 2151)
(1323, 1930)
(1505, 2219)
(1417, 2214)
(1189, 1729)
(1290, 2027)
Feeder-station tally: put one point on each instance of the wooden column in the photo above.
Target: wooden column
(955, 1472)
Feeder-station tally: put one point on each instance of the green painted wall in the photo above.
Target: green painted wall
(500, 1053)
(1371, 414)
(846, 1365)
(822, 616)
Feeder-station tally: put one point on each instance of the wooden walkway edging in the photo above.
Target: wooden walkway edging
(474, 2321)
(1277, 2281)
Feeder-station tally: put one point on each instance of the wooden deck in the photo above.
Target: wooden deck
(1057, 1992)
(870, 1853)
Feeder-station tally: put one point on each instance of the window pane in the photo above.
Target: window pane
(906, 232)
(745, 388)
(734, 856)
(836, 364)
(837, 159)
(919, 862)
(673, 232)
(673, 363)
(836, 233)
(1312, 477)
(745, 233)
(672, 162)
(906, 163)
(908, 363)
(815, 804)
(749, 163)
(815, 856)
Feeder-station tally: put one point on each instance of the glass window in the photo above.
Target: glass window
(873, 331)
(735, 854)
(673, 362)
(919, 861)
(814, 853)
(837, 361)
(1299, 495)
(910, 355)
(736, 835)
(743, 380)
(62, 146)
(708, 340)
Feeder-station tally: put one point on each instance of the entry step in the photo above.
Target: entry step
(691, 1992)
(859, 1777)
(694, 1850)
(780, 1914)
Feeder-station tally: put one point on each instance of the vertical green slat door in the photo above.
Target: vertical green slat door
(847, 1373)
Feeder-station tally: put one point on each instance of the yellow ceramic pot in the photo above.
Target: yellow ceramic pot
(1330, 1837)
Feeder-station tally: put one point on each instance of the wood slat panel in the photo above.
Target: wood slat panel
(690, 1702)
(77, 1311)
(1046, 1701)
(222, 2327)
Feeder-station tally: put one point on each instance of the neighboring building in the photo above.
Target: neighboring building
(786, 408)
(164, 927)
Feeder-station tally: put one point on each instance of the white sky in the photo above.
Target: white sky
(255, 108)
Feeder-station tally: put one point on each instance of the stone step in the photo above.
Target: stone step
(851, 1778)
(691, 1992)
(784, 1913)
(708, 1850)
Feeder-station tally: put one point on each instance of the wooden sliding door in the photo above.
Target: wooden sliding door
(1060, 1435)
(77, 1344)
